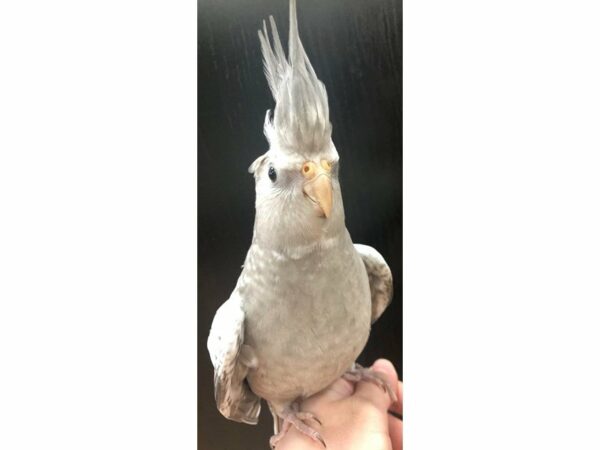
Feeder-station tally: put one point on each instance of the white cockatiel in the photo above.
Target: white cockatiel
(304, 303)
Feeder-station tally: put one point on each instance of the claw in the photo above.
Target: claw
(297, 419)
(318, 436)
(358, 373)
(308, 416)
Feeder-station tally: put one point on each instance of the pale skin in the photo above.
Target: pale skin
(354, 416)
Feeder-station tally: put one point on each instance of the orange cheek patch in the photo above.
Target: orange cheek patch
(326, 165)
(309, 170)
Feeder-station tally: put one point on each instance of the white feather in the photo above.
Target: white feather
(301, 117)
(380, 279)
(225, 341)
(226, 334)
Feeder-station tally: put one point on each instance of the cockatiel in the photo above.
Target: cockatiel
(302, 308)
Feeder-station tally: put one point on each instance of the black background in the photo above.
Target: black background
(355, 47)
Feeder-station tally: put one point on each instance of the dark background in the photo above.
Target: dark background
(355, 47)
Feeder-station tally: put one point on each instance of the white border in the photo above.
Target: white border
(501, 224)
(98, 225)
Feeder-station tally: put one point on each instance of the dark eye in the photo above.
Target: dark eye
(272, 173)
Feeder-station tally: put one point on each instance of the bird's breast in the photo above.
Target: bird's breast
(307, 319)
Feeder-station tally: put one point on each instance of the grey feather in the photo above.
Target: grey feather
(301, 311)
(301, 117)
(228, 354)
(380, 279)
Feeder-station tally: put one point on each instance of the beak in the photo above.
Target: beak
(318, 188)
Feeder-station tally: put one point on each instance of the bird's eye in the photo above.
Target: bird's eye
(272, 173)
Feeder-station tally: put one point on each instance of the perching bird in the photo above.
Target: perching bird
(304, 303)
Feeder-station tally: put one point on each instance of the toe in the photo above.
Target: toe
(376, 386)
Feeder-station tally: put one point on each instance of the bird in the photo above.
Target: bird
(302, 308)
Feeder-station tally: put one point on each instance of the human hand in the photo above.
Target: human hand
(353, 416)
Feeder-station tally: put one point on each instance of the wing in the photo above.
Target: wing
(380, 279)
(231, 360)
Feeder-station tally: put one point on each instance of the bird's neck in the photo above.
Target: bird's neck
(288, 249)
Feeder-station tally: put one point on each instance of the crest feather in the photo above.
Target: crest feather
(301, 118)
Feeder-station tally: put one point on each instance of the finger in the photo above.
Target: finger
(395, 427)
(396, 407)
(400, 394)
(370, 391)
(338, 390)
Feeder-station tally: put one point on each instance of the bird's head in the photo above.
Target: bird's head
(298, 200)
(298, 197)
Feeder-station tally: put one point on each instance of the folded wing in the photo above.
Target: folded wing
(225, 344)
(380, 279)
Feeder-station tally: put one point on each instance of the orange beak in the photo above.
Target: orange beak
(317, 186)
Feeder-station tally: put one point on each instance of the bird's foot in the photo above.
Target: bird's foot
(291, 416)
(359, 373)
